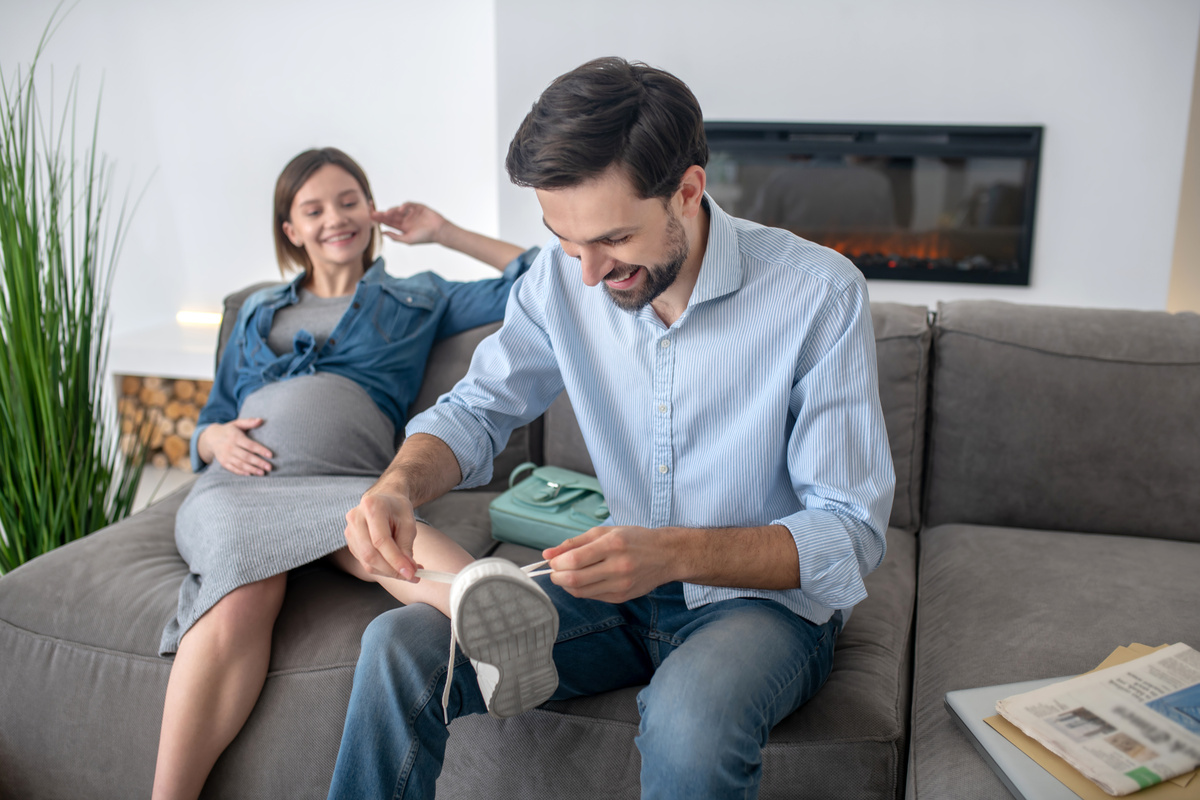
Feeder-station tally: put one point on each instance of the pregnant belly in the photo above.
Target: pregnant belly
(321, 424)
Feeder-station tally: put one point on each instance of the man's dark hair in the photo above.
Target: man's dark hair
(610, 112)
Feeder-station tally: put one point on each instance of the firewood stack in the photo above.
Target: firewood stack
(163, 412)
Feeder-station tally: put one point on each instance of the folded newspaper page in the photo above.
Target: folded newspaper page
(1125, 727)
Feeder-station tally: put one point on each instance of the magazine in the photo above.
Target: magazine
(1125, 727)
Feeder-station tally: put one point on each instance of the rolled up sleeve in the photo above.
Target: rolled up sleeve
(838, 456)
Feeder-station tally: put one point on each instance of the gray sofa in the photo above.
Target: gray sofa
(1048, 479)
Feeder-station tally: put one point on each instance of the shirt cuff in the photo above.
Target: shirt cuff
(829, 566)
(197, 464)
(461, 431)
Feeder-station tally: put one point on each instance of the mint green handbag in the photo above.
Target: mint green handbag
(550, 506)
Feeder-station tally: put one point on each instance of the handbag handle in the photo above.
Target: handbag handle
(522, 467)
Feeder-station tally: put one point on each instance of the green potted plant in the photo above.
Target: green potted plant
(62, 472)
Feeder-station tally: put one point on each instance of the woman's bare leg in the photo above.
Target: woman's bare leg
(222, 662)
(432, 549)
(218, 673)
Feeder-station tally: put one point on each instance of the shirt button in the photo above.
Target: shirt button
(408, 299)
(666, 343)
(356, 306)
(662, 409)
(332, 342)
(662, 468)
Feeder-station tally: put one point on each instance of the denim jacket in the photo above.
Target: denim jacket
(381, 342)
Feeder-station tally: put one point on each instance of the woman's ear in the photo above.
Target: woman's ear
(290, 233)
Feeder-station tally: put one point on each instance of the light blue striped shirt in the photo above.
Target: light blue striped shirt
(760, 405)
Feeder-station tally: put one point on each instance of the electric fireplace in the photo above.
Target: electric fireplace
(903, 202)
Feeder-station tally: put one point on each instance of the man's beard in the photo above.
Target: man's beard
(658, 277)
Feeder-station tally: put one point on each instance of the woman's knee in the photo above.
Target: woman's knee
(250, 607)
(344, 560)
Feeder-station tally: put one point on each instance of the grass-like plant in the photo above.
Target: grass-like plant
(62, 472)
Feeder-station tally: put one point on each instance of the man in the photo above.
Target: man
(723, 375)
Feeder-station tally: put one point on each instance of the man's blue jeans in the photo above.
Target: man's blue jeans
(719, 678)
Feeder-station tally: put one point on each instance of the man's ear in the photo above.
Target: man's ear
(691, 190)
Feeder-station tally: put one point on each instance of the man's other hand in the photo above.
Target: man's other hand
(613, 564)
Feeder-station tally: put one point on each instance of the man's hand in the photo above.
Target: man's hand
(380, 531)
(233, 449)
(414, 223)
(613, 564)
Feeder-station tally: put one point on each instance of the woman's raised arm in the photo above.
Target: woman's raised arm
(415, 223)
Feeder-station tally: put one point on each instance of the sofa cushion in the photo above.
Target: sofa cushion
(83, 685)
(902, 339)
(848, 741)
(998, 605)
(1065, 419)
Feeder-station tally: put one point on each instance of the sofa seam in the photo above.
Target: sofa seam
(932, 393)
(80, 646)
(1074, 356)
(936, 331)
(910, 638)
(914, 518)
(616, 723)
(897, 336)
(912, 743)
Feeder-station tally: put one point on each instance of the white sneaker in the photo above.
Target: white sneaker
(506, 625)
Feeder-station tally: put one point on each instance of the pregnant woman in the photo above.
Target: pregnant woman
(304, 413)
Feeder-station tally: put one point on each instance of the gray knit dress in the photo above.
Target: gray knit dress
(330, 442)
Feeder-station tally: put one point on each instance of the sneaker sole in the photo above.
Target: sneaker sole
(503, 622)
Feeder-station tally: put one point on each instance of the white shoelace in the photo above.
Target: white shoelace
(532, 570)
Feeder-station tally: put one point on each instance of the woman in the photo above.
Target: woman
(305, 410)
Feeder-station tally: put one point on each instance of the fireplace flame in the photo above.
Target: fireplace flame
(928, 246)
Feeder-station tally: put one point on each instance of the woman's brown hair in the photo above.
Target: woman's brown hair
(294, 175)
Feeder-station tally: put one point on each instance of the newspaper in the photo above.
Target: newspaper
(1125, 727)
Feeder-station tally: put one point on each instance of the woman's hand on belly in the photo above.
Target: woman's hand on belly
(233, 449)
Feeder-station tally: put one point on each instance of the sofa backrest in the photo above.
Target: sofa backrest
(448, 362)
(902, 341)
(1065, 419)
(233, 304)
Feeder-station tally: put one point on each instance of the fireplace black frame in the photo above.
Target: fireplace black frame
(802, 140)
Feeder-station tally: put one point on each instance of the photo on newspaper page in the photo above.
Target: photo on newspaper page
(1125, 727)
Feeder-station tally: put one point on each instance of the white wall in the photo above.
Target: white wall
(1184, 293)
(215, 97)
(1110, 79)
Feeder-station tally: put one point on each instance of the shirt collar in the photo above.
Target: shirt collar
(721, 269)
(374, 274)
